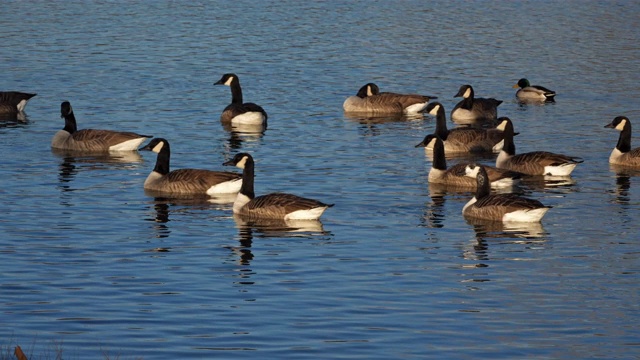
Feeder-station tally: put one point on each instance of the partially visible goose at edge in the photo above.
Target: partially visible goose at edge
(500, 207)
(13, 102)
(535, 162)
(239, 112)
(274, 205)
(186, 181)
(463, 139)
(472, 109)
(622, 154)
(528, 92)
(370, 100)
(456, 175)
(92, 140)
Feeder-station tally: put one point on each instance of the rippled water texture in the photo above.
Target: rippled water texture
(91, 263)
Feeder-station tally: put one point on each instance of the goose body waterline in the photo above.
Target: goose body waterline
(369, 100)
(239, 112)
(92, 140)
(13, 102)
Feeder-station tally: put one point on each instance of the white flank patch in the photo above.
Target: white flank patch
(415, 108)
(240, 202)
(21, 105)
(128, 145)
(504, 183)
(227, 187)
(249, 118)
(463, 114)
(534, 215)
(561, 170)
(310, 214)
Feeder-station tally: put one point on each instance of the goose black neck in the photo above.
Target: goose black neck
(467, 103)
(163, 160)
(247, 179)
(508, 146)
(236, 92)
(624, 141)
(441, 124)
(484, 187)
(439, 159)
(70, 123)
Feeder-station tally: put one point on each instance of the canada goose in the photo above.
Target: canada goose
(471, 109)
(532, 163)
(186, 181)
(13, 102)
(500, 207)
(370, 100)
(456, 176)
(533, 92)
(92, 140)
(275, 205)
(622, 154)
(239, 112)
(464, 139)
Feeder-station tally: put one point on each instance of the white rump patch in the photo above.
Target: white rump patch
(311, 214)
(227, 187)
(504, 183)
(533, 215)
(21, 105)
(561, 170)
(249, 118)
(129, 145)
(415, 108)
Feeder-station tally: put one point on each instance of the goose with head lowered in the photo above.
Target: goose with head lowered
(463, 139)
(532, 163)
(239, 112)
(92, 140)
(456, 175)
(13, 102)
(499, 207)
(274, 205)
(528, 92)
(186, 181)
(623, 154)
(369, 100)
(472, 109)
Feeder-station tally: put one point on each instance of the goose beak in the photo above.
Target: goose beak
(610, 126)
(146, 147)
(422, 144)
(228, 163)
(219, 82)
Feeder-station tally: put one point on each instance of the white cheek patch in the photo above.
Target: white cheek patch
(156, 149)
(242, 163)
(502, 125)
(434, 111)
(369, 92)
(621, 125)
(229, 80)
(467, 93)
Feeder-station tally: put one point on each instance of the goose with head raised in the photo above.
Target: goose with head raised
(274, 205)
(623, 154)
(239, 112)
(472, 109)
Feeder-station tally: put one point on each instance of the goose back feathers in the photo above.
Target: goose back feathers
(500, 207)
(623, 154)
(471, 109)
(370, 100)
(535, 162)
(92, 140)
(274, 205)
(528, 92)
(13, 102)
(239, 112)
(186, 181)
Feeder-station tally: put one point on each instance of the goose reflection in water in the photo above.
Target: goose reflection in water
(624, 177)
(73, 162)
(369, 124)
(241, 133)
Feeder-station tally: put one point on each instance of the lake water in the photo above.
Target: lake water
(91, 264)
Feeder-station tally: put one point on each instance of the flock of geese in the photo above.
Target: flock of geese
(482, 131)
